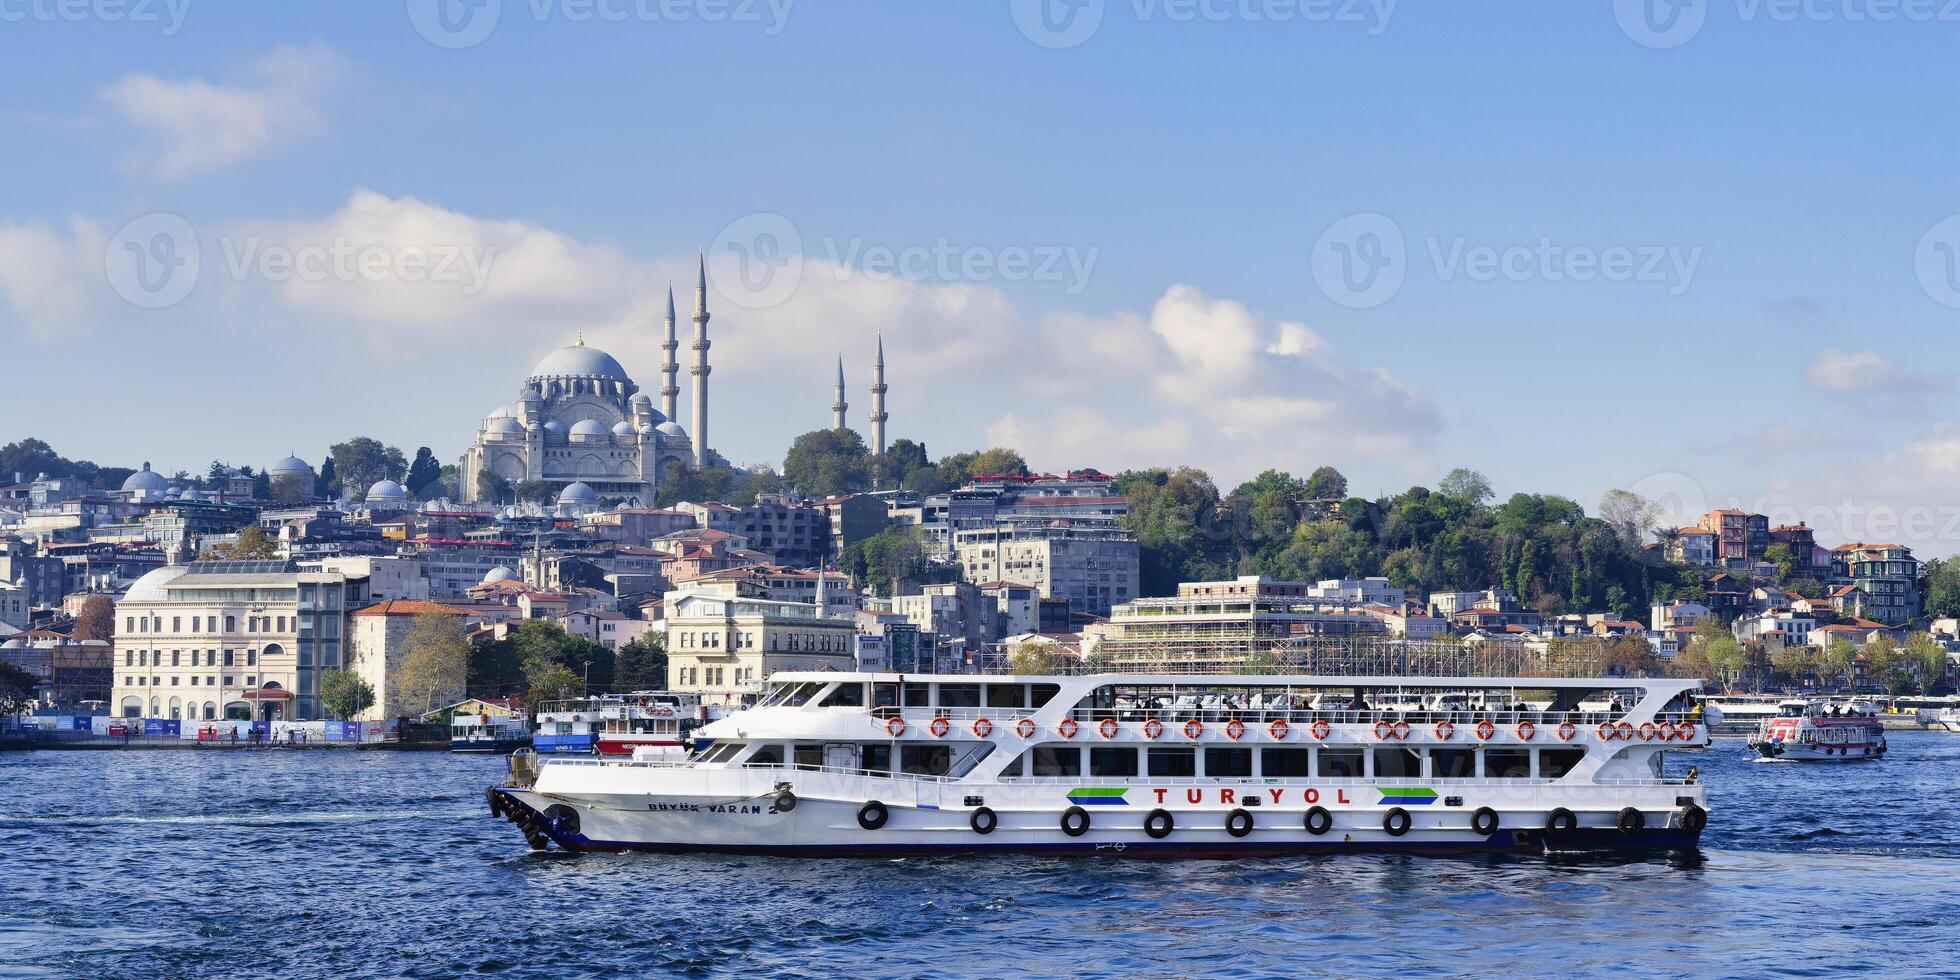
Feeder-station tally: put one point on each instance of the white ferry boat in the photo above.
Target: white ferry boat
(1142, 764)
(1737, 715)
(569, 727)
(648, 719)
(488, 733)
(1821, 731)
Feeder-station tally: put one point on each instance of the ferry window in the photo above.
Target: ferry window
(1398, 764)
(1057, 761)
(884, 695)
(1005, 696)
(846, 696)
(1340, 763)
(959, 695)
(925, 760)
(809, 754)
(768, 755)
(1228, 762)
(1173, 761)
(1112, 762)
(917, 696)
(1042, 694)
(1507, 763)
(1553, 763)
(1453, 763)
(877, 758)
(1016, 767)
(1284, 763)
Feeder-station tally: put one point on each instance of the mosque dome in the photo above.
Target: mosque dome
(386, 492)
(625, 430)
(505, 425)
(291, 464)
(578, 493)
(502, 573)
(579, 361)
(588, 429)
(672, 429)
(146, 480)
(149, 588)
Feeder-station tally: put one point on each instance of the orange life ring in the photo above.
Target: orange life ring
(1445, 731)
(1024, 728)
(1153, 729)
(894, 726)
(1664, 732)
(1383, 730)
(1194, 728)
(1648, 731)
(1108, 728)
(1686, 732)
(1400, 731)
(1278, 729)
(1067, 728)
(1526, 731)
(939, 727)
(982, 728)
(1234, 729)
(1485, 730)
(1605, 731)
(1320, 729)
(1567, 731)
(1624, 731)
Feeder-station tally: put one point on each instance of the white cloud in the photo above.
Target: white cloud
(195, 127)
(51, 280)
(1854, 371)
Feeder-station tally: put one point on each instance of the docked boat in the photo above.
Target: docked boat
(1821, 731)
(659, 720)
(569, 727)
(1737, 715)
(1144, 764)
(488, 733)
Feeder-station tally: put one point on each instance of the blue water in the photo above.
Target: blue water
(346, 864)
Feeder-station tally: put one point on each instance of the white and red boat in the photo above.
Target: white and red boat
(659, 720)
(1821, 731)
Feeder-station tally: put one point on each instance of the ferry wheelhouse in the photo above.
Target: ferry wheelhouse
(1145, 764)
(1821, 731)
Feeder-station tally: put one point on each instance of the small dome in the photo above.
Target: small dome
(579, 362)
(502, 412)
(502, 573)
(578, 493)
(641, 399)
(625, 430)
(146, 480)
(588, 427)
(504, 426)
(672, 429)
(291, 464)
(387, 492)
(149, 588)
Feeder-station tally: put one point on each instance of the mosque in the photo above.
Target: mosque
(581, 424)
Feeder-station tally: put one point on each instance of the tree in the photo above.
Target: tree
(424, 472)
(1941, 585)
(1631, 515)
(435, 663)
(96, 619)
(1841, 661)
(551, 682)
(362, 462)
(288, 488)
(1885, 665)
(642, 664)
(1796, 661)
(536, 491)
(902, 459)
(542, 645)
(252, 542)
(329, 485)
(1465, 486)
(1728, 658)
(1038, 658)
(344, 694)
(888, 559)
(493, 488)
(1326, 483)
(828, 462)
(17, 688)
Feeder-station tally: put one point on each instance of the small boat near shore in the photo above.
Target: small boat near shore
(1821, 731)
(490, 734)
(872, 764)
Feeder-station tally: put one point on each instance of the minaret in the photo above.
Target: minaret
(700, 369)
(878, 415)
(838, 405)
(670, 389)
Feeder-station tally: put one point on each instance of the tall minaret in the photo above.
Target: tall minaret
(838, 405)
(700, 369)
(878, 415)
(670, 389)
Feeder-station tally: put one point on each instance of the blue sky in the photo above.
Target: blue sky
(1798, 159)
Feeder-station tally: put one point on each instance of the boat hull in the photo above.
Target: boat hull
(489, 746)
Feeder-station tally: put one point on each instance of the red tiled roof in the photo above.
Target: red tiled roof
(406, 607)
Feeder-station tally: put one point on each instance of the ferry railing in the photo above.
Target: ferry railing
(1211, 715)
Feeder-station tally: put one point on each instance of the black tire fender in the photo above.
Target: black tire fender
(873, 815)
